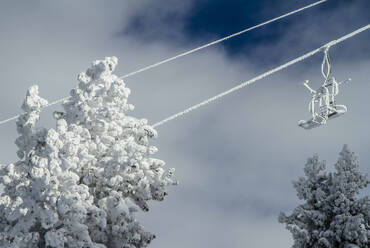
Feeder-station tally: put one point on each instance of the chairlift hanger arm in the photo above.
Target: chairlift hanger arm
(308, 87)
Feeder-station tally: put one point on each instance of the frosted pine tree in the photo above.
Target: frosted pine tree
(333, 215)
(80, 184)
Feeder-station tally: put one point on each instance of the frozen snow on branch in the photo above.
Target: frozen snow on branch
(333, 214)
(81, 183)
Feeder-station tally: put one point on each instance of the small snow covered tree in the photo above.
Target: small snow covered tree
(80, 184)
(333, 215)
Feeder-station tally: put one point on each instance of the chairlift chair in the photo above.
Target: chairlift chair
(324, 98)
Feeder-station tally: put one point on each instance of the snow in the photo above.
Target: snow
(81, 183)
(333, 214)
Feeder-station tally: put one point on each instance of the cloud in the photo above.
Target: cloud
(157, 21)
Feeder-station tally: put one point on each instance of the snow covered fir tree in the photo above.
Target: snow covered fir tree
(333, 215)
(80, 184)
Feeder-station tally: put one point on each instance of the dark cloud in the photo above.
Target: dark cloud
(161, 20)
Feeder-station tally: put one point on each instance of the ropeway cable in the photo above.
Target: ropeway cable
(221, 40)
(279, 68)
(189, 52)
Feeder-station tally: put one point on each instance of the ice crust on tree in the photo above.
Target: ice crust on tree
(333, 215)
(80, 184)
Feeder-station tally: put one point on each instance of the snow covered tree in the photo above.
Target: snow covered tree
(80, 184)
(333, 215)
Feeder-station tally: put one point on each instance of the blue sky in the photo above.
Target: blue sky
(235, 159)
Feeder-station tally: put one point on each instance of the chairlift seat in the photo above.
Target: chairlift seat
(339, 110)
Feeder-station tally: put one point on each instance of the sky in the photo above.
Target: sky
(235, 159)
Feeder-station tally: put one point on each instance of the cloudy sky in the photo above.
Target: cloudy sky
(235, 159)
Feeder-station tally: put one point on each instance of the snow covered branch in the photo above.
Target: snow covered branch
(333, 214)
(80, 184)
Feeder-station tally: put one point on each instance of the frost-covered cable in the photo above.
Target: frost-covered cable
(222, 39)
(50, 104)
(242, 85)
(191, 51)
